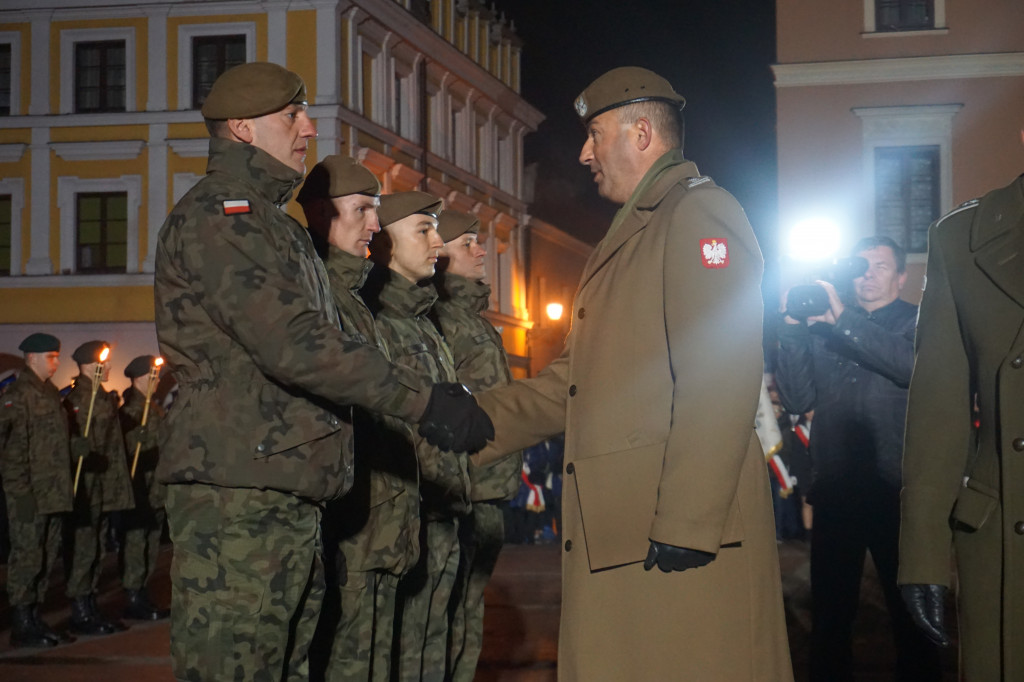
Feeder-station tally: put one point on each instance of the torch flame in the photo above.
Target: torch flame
(158, 362)
(104, 354)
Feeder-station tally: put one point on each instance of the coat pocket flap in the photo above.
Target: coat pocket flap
(975, 504)
(618, 495)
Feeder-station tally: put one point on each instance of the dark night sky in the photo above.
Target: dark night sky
(716, 54)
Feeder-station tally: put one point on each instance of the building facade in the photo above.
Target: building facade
(893, 112)
(100, 134)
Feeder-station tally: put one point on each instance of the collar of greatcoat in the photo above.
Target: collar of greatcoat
(640, 215)
(997, 238)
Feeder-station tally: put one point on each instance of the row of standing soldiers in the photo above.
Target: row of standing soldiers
(68, 459)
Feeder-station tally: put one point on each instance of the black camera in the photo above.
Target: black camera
(809, 300)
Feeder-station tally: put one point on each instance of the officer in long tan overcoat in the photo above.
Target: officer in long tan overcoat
(670, 569)
(963, 486)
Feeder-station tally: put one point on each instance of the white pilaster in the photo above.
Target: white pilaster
(39, 262)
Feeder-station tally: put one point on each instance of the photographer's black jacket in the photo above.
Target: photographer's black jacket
(854, 375)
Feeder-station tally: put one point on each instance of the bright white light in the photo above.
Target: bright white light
(554, 311)
(814, 239)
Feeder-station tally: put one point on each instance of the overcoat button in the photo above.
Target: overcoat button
(570, 468)
(260, 447)
(1017, 362)
(581, 312)
(1018, 444)
(1018, 528)
(568, 543)
(572, 390)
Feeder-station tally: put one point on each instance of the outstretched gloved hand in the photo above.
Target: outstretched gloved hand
(453, 420)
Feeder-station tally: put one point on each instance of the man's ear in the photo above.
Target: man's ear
(644, 133)
(241, 129)
(902, 279)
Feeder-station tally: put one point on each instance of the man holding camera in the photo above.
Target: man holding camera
(852, 366)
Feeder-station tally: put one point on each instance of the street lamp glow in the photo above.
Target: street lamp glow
(814, 239)
(554, 311)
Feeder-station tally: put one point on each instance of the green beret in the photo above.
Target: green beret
(139, 366)
(394, 207)
(89, 352)
(621, 86)
(39, 343)
(338, 176)
(253, 89)
(452, 224)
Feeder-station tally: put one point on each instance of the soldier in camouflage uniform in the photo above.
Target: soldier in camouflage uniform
(143, 525)
(401, 294)
(481, 364)
(104, 486)
(35, 466)
(371, 534)
(254, 443)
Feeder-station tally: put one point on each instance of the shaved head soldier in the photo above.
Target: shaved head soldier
(247, 325)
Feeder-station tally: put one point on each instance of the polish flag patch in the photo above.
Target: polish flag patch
(714, 253)
(236, 206)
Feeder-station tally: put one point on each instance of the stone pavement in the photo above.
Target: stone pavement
(521, 627)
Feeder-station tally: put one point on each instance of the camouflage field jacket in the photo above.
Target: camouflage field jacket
(245, 321)
(401, 310)
(480, 364)
(377, 522)
(149, 492)
(104, 481)
(34, 456)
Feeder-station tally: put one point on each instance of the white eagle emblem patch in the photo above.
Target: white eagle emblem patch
(714, 253)
(581, 106)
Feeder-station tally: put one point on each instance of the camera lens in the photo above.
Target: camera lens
(807, 300)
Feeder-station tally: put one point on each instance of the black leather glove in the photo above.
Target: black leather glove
(145, 437)
(926, 604)
(453, 420)
(671, 558)
(80, 446)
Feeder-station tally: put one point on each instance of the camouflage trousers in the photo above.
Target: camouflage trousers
(361, 650)
(35, 548)
(481, 536)
(142, 530)
(84, 531)
(423, 596)
(246, 583)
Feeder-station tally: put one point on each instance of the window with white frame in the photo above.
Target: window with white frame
(207, 50)
(907, 194)
(99, 224)
(6, 211)
(897, 16)
(97, 70)
(908, 169)
(101, 232)
(100, 78)
(6, 77)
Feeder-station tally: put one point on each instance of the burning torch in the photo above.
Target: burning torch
(154, 379)
(97, 376)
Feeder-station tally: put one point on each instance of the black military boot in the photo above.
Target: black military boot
(48, 632)
(85, 621)
(100, 616)
(25, 632)
(139, 607)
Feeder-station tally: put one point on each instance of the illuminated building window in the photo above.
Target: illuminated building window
(906, 194)
(5, 80)
(212, 56)
(5, 234)
(100, 76)
(101, 232)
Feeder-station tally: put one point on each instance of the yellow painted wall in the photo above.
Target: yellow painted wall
(302, 51)
(78, 304)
